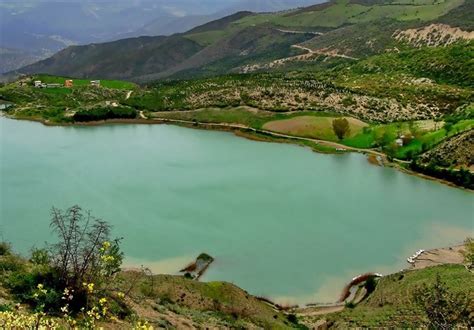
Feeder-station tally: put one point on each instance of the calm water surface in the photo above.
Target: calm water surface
(282, 221)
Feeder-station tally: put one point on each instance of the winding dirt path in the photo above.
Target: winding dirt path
(300, 32)
(322, 52)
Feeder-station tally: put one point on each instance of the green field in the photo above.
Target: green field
(114, 84)
(313, 127)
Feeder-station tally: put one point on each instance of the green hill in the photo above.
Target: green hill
(349, 28)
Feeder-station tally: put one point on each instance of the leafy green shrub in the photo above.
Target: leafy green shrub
(40, 256)
(462, 177)
(10, 263)
(24, 286)
(103, 113)
(292, 318)
(444, 309)
(350, 304)
(5, 308)
(5, 248)
(341, 127)
(469, 253)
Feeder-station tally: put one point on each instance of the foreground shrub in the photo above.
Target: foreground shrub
(444, 309)
(5, 249)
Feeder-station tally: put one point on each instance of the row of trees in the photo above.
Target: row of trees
(461, 177)
(103, 113)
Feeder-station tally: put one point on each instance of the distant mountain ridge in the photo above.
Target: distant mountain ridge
(344, 28)
(36, 29)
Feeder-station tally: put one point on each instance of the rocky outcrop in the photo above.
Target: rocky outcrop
(457, 151)
(433, 35)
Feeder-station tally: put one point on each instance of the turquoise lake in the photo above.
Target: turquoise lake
(281, 221)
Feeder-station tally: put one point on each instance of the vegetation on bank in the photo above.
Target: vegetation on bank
(77, 282)
(461, 177)
(405, 103)
(104, 113)
(112, 84)
(437, 297)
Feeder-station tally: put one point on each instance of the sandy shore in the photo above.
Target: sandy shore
(440, 256)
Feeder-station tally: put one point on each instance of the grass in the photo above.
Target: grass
(391, 304)
(220, 297)
(241, 115)
(114, 84)
(312, 127)
(430, 139)
(233, 115)
(207, 38)
(342, 12)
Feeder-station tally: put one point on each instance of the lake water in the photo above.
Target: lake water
(281, 221)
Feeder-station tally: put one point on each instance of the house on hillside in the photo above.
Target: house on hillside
(69, 83)
(95, 83)
(38, 84)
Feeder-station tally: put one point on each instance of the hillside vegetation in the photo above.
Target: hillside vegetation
(404, 69)
(339, 27)
(57, 287)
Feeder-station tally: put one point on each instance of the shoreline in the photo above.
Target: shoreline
(253, 135)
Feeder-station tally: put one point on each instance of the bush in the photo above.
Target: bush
(292, 318)
(469, 253)
(25, 287)
(444, 309)
(40, 256)
(5, 249)
(84, 253)
(10, 263)
(462, 177)
(103, 113)
(341, 127)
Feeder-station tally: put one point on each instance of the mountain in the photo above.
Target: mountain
(245, 41)
(161, 26)
(36, 29)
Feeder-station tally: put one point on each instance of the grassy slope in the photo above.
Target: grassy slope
(344, 12)
(165, 297)
(231, 302)
(391, 304)
(155, 298)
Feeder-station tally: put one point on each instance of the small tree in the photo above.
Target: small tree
(341, 127)
(84, 253)
(444, 309)
(469, 253)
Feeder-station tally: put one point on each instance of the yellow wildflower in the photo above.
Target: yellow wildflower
(102, 301)
(89, 286)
